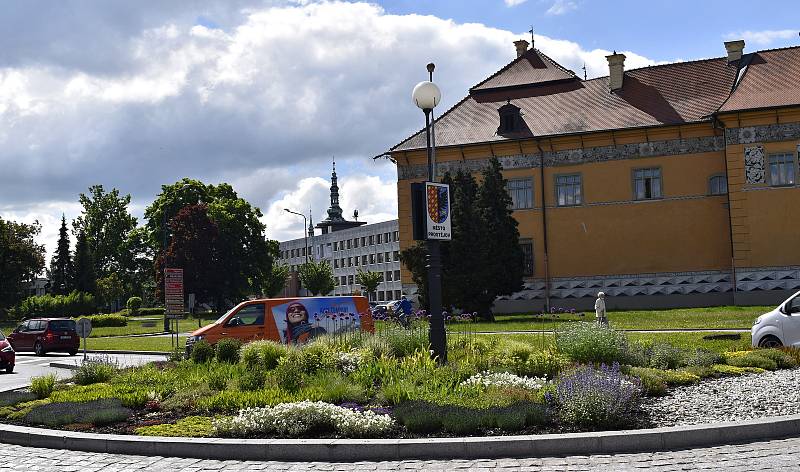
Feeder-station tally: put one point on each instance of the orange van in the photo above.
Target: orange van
(288, 320)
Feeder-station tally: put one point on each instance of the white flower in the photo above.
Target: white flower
(504, 379)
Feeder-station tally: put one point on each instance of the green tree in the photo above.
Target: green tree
(317, 277)
(276, 280)
(193, 248)
(21, 259)
(109, 290)
(136, 262)
(503, 269)
(415, 259)
(85, 277)
(61, 263)
(107, 224)
(245, 256)
(133, 304)
(369, 280)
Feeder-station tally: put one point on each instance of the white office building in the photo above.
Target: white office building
(349, 246)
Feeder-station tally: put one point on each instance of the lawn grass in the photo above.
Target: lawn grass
(147, 343)
(740, 317)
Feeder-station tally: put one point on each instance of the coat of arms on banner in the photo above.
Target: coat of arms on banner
(438, 204)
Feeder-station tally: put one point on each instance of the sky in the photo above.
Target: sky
(263, 94)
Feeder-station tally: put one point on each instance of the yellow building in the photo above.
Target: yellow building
(659, 186)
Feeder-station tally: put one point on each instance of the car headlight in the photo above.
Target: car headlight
(757, 321)
(7, 349)
(194, 339)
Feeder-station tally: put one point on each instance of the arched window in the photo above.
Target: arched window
(717, 185)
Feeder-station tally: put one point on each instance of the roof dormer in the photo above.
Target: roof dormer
(510, 119)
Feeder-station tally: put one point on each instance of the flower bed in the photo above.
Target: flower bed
(387, 385)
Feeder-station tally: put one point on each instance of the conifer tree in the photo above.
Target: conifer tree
(503, 269)
(61, 276)
(85, 278)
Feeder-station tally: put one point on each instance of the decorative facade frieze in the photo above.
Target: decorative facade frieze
(755, 172)
(671, 147)
(762, 133)
(666, 283)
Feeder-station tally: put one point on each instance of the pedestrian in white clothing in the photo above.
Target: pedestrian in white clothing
(600, 309)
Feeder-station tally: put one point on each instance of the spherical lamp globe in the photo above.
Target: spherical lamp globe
(426, 95)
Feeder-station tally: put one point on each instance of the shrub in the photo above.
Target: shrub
(97, 412)
(18, 411)
(700, 371)
(42, 386)
(587, 342)
(665, 356)
(416, 419)
(202, 352)
(704, 358)
(314, 357)
(263, 354)
(130, 395)
(287, 374)
(187, 399)
(597, 398)
(333, 387)
(679, 377)
(724, 369)
(133, 305)
(151, 311)
(251, 380)
(95, 371)
(422, 417)
(228, 350)
(218, 380)
(751, 359)
(108, 321)
(535, 363)
(783, 359)
(652, 382)
(73, 304)
(14, 397)
(189, 427)
(302, 418)
(504, 379)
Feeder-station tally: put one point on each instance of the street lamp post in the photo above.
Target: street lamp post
(426, 96)
(305, 225)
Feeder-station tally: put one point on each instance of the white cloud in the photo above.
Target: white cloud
(763, 38)
(560, 7)
(513, 3)
(142, 97)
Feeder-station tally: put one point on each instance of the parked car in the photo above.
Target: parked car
(385, 308)
(779, 327)
(43, 335)
(7, 355)
(287, 320)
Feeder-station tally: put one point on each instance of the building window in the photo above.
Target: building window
(371, 239)
(521, 192)
(363, 260)
(379, 235)
(349, 262)
(380, 258)
(397, 295)
(341, 262)
(397, 275)
(397, 236)
(355, 242)
(380, 296)
(568, 190)
(355, 261)
(717, 185)
(527, 254)
(781, 169)
(336, 263)
(350, 279)
(363, 241)
(344, 280)
(396, 256)
(647, 183)
(388, 275)
(335, 246)
(372, 258)
(349, 244)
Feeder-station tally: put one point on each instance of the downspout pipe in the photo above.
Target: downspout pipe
(717, 123)
(544, 230)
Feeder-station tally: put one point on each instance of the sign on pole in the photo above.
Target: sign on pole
(84, 328)
(438, 214)
(173, 293)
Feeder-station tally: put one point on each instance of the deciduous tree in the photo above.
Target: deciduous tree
(369, 280)
(317, 277)
(21, 259)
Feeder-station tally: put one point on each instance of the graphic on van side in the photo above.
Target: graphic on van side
(301, 320)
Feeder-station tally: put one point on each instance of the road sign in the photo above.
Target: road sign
(173, 292)
(83, 327)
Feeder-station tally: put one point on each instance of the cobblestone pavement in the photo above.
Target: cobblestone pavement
(783, 455)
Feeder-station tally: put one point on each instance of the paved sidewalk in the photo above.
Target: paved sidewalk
(769, 455)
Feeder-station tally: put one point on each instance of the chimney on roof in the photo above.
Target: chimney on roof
(522, 47)
(735, 50)
(616, 70)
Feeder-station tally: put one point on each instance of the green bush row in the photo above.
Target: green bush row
(73, 304)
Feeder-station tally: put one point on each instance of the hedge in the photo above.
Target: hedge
(74, 304)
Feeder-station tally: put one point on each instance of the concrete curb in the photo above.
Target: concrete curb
(351, 450)
(61, 365)
(144, 353)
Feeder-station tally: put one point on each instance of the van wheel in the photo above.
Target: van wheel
(38, 349)
(769, 342)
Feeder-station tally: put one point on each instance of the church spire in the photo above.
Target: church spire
(335, 211)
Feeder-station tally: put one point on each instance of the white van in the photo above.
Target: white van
(779, 327)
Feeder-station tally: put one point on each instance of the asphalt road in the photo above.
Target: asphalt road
(29, 365)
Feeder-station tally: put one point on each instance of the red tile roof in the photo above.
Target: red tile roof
(555, 102)
(768, 79)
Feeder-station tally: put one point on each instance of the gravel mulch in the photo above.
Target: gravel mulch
(728, 399)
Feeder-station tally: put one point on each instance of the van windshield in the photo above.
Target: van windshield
(221, 319)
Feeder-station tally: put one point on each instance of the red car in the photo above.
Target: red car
(7, 356)
(43, 335)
